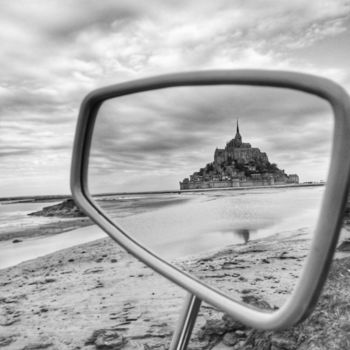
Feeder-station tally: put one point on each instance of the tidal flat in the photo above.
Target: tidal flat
(97, 296)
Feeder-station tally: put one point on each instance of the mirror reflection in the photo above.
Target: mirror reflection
(225, 182)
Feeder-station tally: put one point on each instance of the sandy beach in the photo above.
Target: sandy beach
(97, 296)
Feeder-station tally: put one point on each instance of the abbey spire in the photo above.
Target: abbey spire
(238, 137)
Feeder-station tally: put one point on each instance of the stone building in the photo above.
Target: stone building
(243, 153)
(238, 165)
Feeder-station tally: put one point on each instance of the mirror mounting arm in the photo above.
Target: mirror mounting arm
(186, 323)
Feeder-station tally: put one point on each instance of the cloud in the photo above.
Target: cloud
(55, 52)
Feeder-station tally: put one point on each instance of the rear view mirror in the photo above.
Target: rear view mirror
(228, 183)
(233, 203)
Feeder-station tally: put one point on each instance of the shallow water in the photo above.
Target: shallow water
(13, 216)
(214, 220)
(205, 221)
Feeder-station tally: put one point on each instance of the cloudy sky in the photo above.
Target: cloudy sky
(54, 52)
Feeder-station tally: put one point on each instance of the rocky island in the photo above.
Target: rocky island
(238, 165)
(66, 209)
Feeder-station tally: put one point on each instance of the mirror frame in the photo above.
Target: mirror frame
(301, 302)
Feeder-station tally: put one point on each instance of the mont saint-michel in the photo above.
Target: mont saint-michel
(238, 165)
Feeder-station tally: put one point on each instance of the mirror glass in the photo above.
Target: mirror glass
(225, 182)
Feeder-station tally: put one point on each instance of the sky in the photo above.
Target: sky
(54, 52)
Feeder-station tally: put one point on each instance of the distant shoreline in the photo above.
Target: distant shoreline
(33, 199)
(209, 189)
(49, 198)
